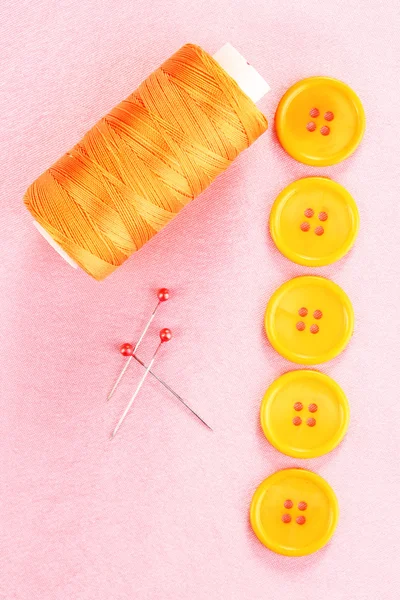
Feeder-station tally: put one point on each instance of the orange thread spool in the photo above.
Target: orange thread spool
(142, 162)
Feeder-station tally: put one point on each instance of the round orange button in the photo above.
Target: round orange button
(309, 320)
(294, 512)
(304, 414)
(320, 121)
(314, 221)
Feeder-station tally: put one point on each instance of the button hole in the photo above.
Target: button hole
(301, 520)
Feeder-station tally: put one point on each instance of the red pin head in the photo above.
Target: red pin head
(163, 294)
(165, 335)
(126, 349)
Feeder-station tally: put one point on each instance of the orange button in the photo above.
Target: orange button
(320, 121)
(304, 414)
(314, 221)
(309, 320)
(294, 512)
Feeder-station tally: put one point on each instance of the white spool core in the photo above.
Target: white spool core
(247, 78)
(54, 245)
(244, 74)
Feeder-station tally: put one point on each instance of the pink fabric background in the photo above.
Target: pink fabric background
(162, 512)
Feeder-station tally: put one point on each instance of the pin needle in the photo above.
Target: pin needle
(163, 295)
(172, 391)
(165, 336)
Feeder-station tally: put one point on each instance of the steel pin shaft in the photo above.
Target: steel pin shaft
(171, 390)
(141, 382)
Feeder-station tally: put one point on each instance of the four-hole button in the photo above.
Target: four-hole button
(314, 221)
(294, 512)
(309, 320)
(320, 121)
(304, 414)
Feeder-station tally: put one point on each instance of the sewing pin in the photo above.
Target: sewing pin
(126, 349)
(165, 336)
(172, 391)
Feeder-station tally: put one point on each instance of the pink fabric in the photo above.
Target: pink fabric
(161, 513)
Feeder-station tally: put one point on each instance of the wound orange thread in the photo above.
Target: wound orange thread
(142, 162)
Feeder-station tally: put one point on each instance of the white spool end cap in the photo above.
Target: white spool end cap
(54, 245)
(244, 74)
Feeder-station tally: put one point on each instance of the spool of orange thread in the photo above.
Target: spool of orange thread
(146, 159)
